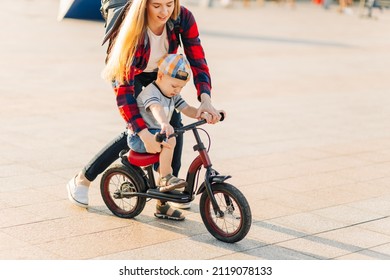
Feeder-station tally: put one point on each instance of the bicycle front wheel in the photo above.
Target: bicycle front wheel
(237, 217)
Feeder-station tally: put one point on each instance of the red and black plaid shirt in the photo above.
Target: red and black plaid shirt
(194, 52)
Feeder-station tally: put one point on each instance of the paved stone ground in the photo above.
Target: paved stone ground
(307, 137)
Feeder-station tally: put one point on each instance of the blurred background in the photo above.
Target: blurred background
(305, 85)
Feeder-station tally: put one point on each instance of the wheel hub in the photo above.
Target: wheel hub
(125, 189)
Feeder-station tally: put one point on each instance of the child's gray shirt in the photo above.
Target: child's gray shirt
(151, 94)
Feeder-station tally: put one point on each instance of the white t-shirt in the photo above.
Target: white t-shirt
(158, 48)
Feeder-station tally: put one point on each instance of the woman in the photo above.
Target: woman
(146, 34)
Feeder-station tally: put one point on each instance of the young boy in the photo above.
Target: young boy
(156, 103)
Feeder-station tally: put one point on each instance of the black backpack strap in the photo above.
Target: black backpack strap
(116, 11)
(177, 28)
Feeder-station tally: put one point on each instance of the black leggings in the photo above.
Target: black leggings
(110, 152)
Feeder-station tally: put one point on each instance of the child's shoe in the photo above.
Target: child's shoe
(170, 182)
(165, 211)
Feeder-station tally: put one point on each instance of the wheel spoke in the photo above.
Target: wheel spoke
(116, 185)
(236, 220)
(229, 223)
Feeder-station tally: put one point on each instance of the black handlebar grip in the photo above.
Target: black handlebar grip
(222, 116)
(160, 137)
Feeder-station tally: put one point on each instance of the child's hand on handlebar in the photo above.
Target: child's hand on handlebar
(150, 143)
(167, 129)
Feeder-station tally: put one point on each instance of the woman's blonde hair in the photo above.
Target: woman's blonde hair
(131, 32)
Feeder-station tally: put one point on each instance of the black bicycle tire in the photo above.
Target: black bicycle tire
(138, 183)
(244, 208)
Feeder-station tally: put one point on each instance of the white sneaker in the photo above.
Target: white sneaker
(78, 195)
(180, 205)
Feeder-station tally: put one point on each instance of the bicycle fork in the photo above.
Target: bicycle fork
(211, 175)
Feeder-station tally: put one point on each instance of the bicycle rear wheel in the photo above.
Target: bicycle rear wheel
(237, 218)
(116, 186)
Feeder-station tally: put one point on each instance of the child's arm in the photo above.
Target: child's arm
(159, 114)
(191, 112)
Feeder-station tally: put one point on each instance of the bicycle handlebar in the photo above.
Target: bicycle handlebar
(159, 137)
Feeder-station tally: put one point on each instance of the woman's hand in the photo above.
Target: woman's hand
(209, 118)
(206, 116)
(205, 106)
(151, 145)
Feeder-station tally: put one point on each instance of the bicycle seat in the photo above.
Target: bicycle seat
(142, 159)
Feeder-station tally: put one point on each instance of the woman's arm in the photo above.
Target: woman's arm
(127, 104)
(196, 56)
(194, 52)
